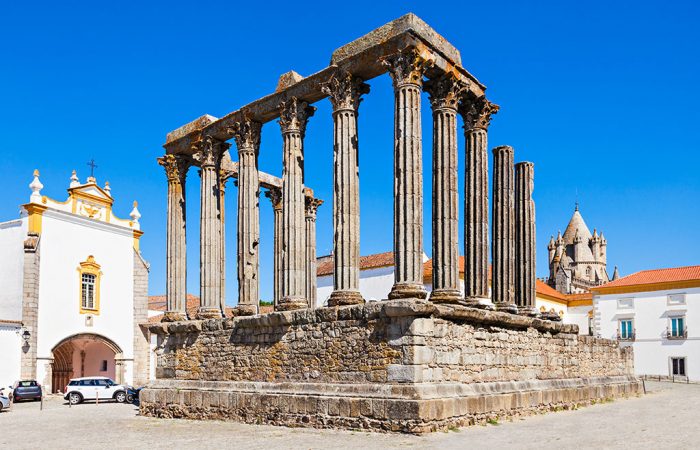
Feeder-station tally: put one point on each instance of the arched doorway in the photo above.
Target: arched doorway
(85, 355)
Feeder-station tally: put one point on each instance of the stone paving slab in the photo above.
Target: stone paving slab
(664, 418)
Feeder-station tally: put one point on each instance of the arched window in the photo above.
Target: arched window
(89, 286)
(588, 271)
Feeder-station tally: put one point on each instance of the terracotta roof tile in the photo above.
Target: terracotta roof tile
(324, 264)
(674, 274)
(157, 303)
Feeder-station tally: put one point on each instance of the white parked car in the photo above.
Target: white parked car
(91, 388)
(4, 402)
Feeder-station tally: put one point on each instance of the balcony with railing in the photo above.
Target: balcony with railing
(628, 336)
(677, 334)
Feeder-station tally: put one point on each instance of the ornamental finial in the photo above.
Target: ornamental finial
(74, 181)
(36, 188)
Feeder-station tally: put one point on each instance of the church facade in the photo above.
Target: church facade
(74, 289)
(578, 259)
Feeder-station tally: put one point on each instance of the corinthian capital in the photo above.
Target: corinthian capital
(175, 166)
(477, 113)
(247, 134)
(312, 205)
(208, 151)
(407, 66)
(275, 196)
(344, 90)
(445, 91)
(294, 115)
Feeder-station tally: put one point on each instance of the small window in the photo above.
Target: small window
(86, 382)
(89, 276)
(73, 383)
(625, 303)
(626, 331)
(678, 366)
(677, 329)
(104, 366)
(101, 383)
(588, 271)
(676, 299)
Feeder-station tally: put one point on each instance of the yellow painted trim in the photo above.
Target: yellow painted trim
(586, 302)
(551, 298)
(666, 285)
(89, 266)
(35, 216)
(137, 239)
(76, 193)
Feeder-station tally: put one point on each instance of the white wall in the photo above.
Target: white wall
(375, 284)
(66, 241)
(10, 354)
(651, 312)
(12, 236)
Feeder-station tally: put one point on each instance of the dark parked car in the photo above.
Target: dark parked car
(26, 390)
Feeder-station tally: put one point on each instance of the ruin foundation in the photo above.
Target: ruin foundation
(402, 365)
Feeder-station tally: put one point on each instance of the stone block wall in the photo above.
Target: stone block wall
(402, 365)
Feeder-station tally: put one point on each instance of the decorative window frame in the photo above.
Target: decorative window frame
(625, 303)
(89, 267)
(678, 299)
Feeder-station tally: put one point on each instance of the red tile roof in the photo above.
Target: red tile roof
(324, 264)
(158, 303)
(653, 277)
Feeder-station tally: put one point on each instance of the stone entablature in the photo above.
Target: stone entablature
(414, 355)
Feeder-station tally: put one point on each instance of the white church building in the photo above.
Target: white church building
(73, 289)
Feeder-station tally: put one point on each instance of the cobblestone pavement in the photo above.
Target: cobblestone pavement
(665, 418)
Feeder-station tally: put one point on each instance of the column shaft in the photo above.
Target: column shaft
(275, 196)
(312, 205)
(503, 240)
(444, 95)
(407, 70)
(293, 118)
(210, 228)
(176, 250)
(525, 250)
(344, 91)
(476, 115)
(247, 135)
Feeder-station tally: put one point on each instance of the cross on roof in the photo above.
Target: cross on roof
(92, 165)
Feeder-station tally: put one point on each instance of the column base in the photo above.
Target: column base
(450, 296)
(529, 311)
(174, 316)
(506, 307)
(548, 315)
(344, 298)
(408, 290)
(478, 302)
(207, 312)
(245, 310)
(292, 303)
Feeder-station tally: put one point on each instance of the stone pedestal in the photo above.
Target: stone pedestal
(293, 119)
(176, 249)
(209, 155)
(476, 114)
(525, 249)
(503, 240)
(445, 93)
(344, 92)
(247, 136)
(407, 69)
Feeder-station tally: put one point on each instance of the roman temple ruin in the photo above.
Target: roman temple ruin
(414, 362)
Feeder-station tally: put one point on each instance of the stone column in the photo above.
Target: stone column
(176, 249)
(209, 157)
(312, 205)
(293, 118)
(407, 69)
(444, 93)
(503, 240)
(223, 178)
(247, 136)
(476, 115)
(275, 196)
(344, 91)
(525, 250)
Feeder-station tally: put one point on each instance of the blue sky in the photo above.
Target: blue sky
(601, 96)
